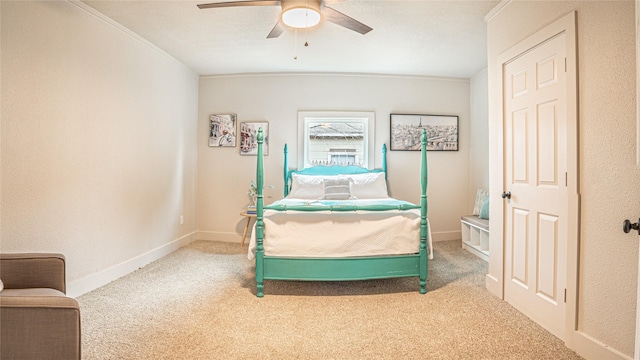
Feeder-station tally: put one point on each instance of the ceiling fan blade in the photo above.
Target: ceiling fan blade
(276, 31)
(341, 19)
(239, 3)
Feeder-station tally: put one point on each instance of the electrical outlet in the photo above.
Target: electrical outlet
(181, 219)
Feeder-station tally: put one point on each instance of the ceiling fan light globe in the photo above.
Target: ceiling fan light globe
(301, 17)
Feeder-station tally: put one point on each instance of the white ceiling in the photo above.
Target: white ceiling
(419, 37)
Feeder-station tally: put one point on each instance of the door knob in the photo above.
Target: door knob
(506, 195)
(627, 226)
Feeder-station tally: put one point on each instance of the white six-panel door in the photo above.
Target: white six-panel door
(535, 217)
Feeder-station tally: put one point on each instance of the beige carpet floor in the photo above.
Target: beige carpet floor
(199, 303)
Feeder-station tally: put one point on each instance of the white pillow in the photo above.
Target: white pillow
(1, 286)
(306, 187)
(368, 186)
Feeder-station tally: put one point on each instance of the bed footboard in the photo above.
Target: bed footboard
(341, 269)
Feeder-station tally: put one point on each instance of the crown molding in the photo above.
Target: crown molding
(496, 10)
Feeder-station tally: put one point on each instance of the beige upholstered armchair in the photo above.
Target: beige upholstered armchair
(37, 319)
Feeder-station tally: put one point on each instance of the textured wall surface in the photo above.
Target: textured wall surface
(609, 176)
(479, 137)
(98, 153)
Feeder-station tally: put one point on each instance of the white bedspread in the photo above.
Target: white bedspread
(340, 234)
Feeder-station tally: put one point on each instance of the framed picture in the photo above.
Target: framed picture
(442, 132)
(249, 137)
(222, 130)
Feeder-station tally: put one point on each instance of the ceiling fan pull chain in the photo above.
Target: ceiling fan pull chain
(306, 37)
(306, 25)
(295, 44)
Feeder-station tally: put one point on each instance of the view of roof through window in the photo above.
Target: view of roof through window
(336, 142)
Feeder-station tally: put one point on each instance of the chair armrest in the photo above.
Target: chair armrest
(33, 270)
(39, 324)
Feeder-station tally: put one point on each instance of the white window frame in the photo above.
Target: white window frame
(306, 117)
(332, 154)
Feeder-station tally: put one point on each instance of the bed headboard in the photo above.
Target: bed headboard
(329, 169)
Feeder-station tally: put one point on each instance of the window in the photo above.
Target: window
(343, 157)
(335, 138)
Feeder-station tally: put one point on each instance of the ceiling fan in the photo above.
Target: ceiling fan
(299, 14)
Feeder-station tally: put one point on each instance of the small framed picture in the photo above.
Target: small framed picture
(442, 132)
(249, 137)
(222, 130)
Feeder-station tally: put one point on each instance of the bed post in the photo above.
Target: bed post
(259, 222)
(423, 215)
(384, 160)
(286, 170)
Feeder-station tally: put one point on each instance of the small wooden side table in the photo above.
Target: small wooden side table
(246, 225)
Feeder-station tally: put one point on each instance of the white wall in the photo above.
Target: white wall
(98, 142)
(224, 175)
(609, 176)
(479, 136)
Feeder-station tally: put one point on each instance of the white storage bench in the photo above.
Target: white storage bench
(475, 235)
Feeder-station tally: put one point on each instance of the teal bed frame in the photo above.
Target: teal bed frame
(344, 268)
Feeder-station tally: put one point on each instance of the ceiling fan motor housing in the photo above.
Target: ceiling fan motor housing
(300, 13)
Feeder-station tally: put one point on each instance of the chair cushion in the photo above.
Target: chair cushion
(36, 297)
(475, 220)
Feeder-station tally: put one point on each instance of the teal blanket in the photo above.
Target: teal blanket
(341, 205)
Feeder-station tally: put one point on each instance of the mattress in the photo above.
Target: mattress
(334, 234)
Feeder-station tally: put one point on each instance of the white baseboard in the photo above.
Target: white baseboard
(94, 281)
(221, 236)
(447, 235)
(494, 286)
(590, 348)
